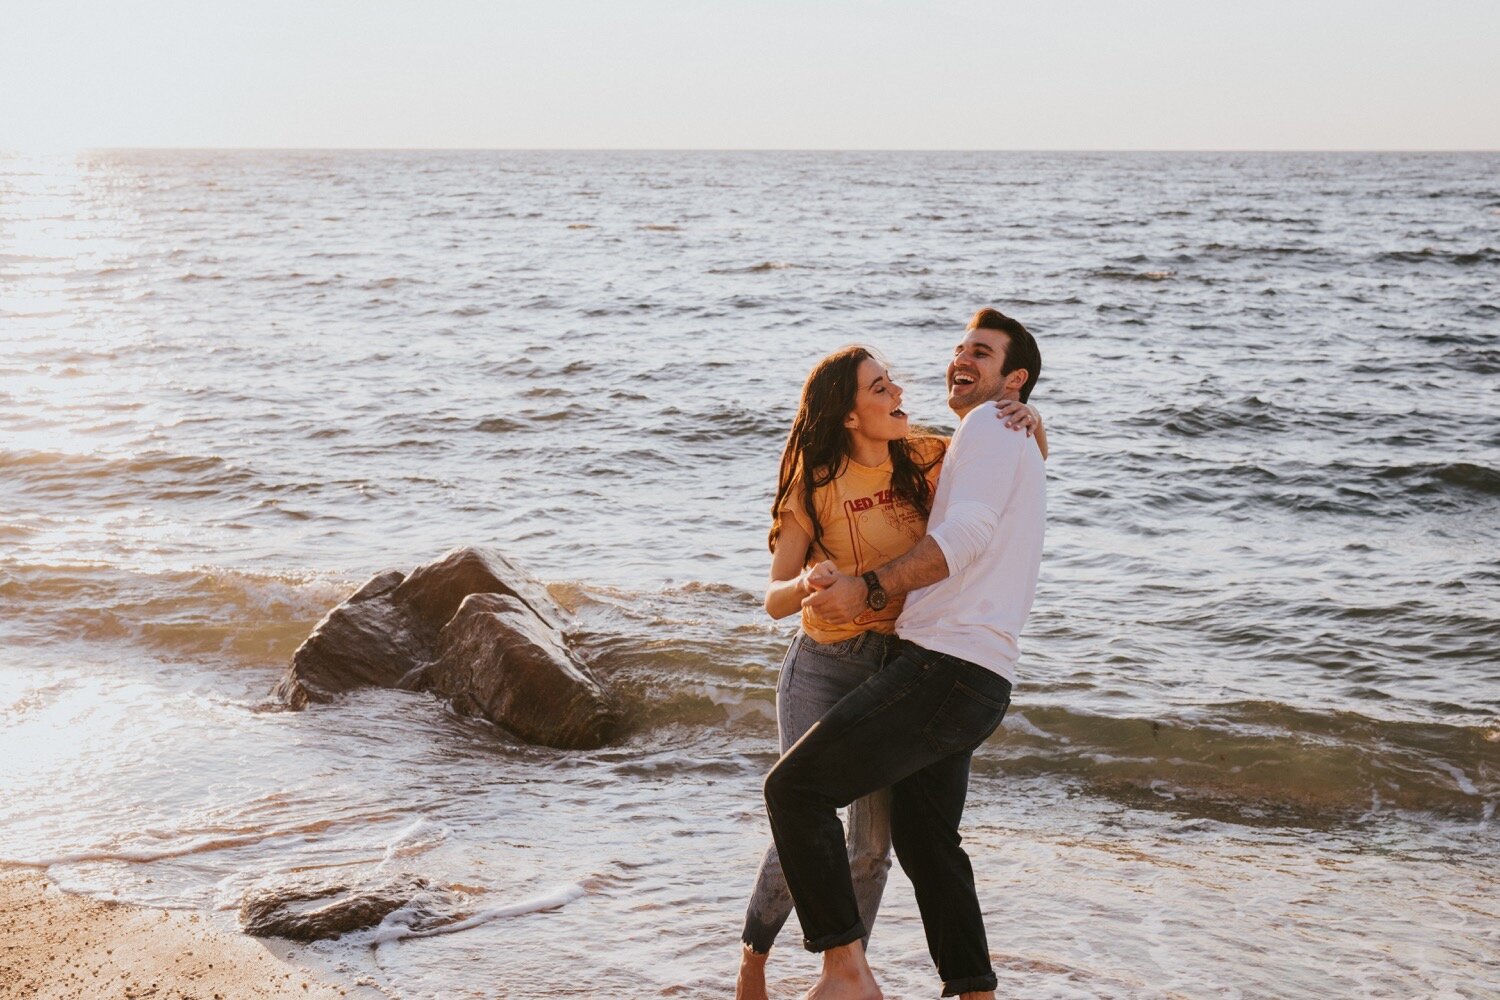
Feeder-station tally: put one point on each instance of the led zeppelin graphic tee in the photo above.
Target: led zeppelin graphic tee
(864, 526)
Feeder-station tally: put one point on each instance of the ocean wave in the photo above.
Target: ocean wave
(627, 464)
(1361, 489)
(1427, 255)
(700, 657)
(387, 282)
(1208, 418)
(761, 268)
(141, 854)
(144, 475)
(499, 425)
(1125, 274)
(244, 617)
(1478, 362)
(718, 424)
(1355, 489)
(1438, 477)
(1238, 251)
(680, 662)
(421, 836)
(420, 920)
(1260, 759)
(1247, 761)
(150, 846)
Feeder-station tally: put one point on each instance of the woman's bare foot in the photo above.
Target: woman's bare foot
(751, 982)
(846, 976)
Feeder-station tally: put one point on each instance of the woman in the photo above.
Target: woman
(854, 491)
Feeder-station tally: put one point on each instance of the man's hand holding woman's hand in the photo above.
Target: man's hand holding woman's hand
(836, 598)
(816, 578)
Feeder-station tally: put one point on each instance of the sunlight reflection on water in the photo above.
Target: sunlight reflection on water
(1259, 693)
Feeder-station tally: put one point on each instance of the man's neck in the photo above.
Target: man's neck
(1003, 397)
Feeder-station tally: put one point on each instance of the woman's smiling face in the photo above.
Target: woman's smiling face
(877, 412)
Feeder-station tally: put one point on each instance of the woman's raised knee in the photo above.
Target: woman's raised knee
(869, 865)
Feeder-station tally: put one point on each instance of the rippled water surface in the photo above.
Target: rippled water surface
(1255, 749)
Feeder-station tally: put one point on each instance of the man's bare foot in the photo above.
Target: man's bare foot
(846, 976)
(751, 982)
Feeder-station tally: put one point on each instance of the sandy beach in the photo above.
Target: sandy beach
(57, 946)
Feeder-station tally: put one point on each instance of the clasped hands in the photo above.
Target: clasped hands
(835, 597)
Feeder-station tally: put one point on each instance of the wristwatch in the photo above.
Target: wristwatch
(877, 598)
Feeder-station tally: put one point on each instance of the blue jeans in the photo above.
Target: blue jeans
(912, 727)
(816, 676)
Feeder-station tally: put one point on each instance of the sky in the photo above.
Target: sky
(755, 74)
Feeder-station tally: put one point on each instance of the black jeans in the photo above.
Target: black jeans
(913, 726)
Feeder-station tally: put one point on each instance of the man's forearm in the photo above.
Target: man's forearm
(924, 564)
(840, 599)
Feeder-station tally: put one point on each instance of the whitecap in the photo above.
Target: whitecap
(400, 924)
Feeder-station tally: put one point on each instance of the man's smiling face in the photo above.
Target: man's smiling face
(974, 374)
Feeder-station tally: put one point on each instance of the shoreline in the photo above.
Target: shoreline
(58, 946)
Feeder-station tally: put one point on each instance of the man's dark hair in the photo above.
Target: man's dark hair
(1020, 352)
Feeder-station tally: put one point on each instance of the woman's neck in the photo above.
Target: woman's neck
(867, 451)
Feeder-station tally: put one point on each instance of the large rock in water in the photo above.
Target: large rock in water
(471, 626)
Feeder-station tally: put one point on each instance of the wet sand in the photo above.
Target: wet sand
(56, 946)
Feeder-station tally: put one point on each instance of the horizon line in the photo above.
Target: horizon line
(728, 149)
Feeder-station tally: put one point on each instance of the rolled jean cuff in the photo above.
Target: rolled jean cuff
(970, 984)
(827, 941)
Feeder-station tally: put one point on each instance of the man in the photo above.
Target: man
(915, 723)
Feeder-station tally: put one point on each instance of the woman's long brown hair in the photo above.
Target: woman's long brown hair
(817, 447)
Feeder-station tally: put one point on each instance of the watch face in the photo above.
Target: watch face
(875, 595)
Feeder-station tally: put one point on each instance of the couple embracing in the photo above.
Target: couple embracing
(912, 560)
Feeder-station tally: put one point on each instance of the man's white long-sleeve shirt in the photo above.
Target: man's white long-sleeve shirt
(988, 517)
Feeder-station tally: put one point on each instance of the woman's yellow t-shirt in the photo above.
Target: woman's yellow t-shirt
(864, 526)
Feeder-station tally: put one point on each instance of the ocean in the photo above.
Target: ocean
(1255, 746)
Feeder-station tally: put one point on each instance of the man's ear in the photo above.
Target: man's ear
(1016, 379)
